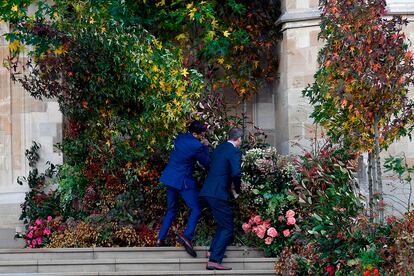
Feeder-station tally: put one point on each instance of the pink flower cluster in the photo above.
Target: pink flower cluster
(261, 228)
(37, 231)
(264, 230)
(290, 217)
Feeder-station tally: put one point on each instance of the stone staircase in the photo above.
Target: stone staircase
(129, 261)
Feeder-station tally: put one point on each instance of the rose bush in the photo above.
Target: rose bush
(266, 201)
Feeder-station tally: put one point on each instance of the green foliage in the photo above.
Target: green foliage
(265, 175)
(399, 166)
(124, 96)
(71, 185)
(265, 199)
(125, 76)
(231, 42)
(40, 201)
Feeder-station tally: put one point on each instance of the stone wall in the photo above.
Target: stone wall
(22, 120)
(298, 52)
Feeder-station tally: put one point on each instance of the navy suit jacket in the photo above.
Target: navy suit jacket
(179, 171)
(224, 169)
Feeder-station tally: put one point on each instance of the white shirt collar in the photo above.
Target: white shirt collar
(232, 142)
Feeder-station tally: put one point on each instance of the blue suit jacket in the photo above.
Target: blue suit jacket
(224, 169)
(179, 171)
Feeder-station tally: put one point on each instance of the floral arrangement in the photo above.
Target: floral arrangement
(40, 230)
(264, 230)
(267, 200)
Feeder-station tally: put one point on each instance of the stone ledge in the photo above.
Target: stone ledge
(298, 16)
(313, 15)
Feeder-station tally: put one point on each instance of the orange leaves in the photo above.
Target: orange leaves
(368, 71)
(334, 9)
(376, 67)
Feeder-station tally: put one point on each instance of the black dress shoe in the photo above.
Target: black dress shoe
(187, 245)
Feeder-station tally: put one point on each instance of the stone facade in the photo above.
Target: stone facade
(22, 120)
(279, 108)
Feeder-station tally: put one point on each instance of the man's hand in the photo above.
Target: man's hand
(233, 191)
(205, 142)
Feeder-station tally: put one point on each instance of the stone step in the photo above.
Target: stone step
(7, 239)
(118, 253)
(130, 265)
(159, 273)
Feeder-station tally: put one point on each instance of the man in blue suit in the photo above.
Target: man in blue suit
(179, 180)
(224, 170)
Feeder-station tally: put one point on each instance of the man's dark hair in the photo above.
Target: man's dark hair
(235, 133)
(197, 127)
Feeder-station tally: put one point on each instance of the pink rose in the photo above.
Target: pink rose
(38, 221)
(30, 235)
(46, 231)
(268, 240)
(251, 221)
(290, 214)
(33, 242)
(260, 231)
(266, 223)
(272, 232)
(39, 241)
(257, 219)
(286, 232)
(281, 219)
(291, 221)
(246, 227)
(49, 218)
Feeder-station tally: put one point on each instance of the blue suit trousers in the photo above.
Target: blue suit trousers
(223, 216)
(191, 200)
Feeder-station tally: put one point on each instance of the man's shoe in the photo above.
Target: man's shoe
(187, 245)
(216, 266)
(160, 243)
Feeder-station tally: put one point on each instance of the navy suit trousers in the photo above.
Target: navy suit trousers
(191, 200)
(223, 216)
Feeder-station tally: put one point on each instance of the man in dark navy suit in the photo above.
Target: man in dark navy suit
(216, 192)
(179, 180)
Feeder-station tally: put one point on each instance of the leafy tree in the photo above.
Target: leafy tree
(231, 42)
(360, 93)
(123, 94)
